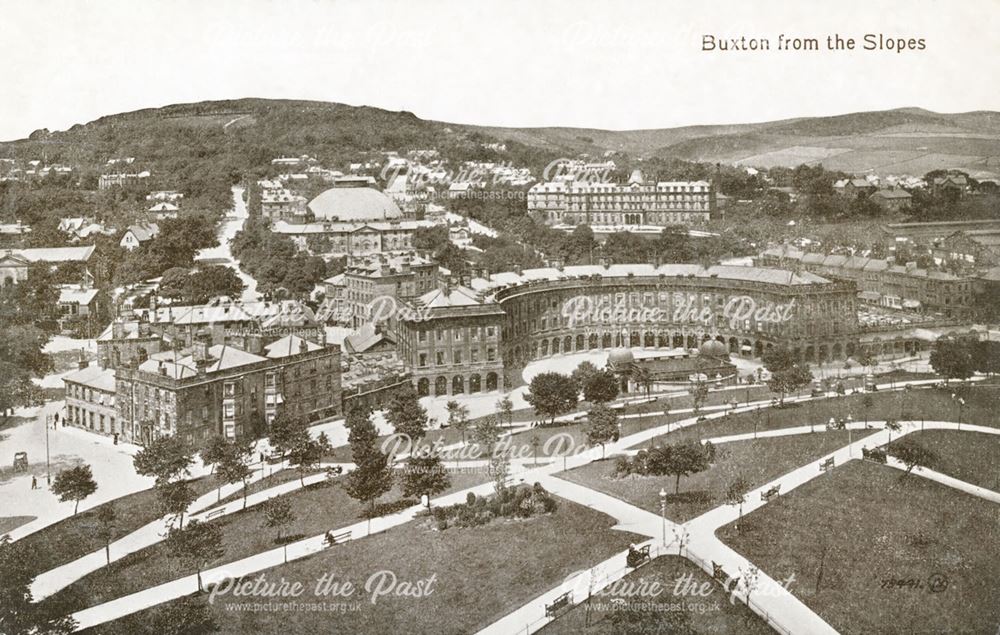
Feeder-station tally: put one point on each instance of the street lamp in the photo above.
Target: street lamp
(48, 473)
(850, 420)
(961, 402)
(663, 514)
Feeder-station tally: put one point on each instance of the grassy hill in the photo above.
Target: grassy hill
(240, 136)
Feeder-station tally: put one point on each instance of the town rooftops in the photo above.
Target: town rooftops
(367, 337)
(447, 298)
(93, 377)
(55, 254)
(70, 295)
(290, 345)
(892, 194)
(726, 272)
(144, 231)
(333, 227)
(182, 366)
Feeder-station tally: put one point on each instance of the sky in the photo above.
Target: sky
(615, 65)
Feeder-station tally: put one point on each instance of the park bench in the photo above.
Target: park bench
(215, 513)
(876, 455)
(637, 557)
(771, 493)
(334, 470)
(719, 573)
(826, 465)
(336, 539)
(559, 605)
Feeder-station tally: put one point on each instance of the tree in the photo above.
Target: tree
(106, 518)
(603, 426)
(505, 410)
(196, 545)
(165, 459)
(234, 465)
(287, 431)
(74, 484)
(952, 358)
(736, 494)
(213, 451)
(278, 514)
(913, 454)
(551, 394)
(867, 402)
(698, 395)
(307, 453)
(458, 417)
(986, 357)
(19, 613)
(487, 433)
(786, 377)
(583, 372)
(684, 459)
(425, 475)
(174, 498)
(641, 376)
(21, 359)
(372, 475)
(406, 414)
(600, 387)
(892, 426)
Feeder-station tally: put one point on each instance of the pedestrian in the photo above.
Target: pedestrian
(116, 438)
(34, 483)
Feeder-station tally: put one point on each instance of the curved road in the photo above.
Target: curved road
(223, 254)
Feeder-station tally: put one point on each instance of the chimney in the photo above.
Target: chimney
(117, 330)
(303, 347)
(162, 368)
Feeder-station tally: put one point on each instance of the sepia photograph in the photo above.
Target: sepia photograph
(440, 317)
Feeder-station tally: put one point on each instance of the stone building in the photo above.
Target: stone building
(450, 342)
(90, 399)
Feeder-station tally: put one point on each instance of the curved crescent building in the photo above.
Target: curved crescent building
(544, 312)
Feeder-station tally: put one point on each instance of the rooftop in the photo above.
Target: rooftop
(354, 204)
(94, 377)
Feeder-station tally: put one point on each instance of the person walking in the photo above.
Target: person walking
(34, 482)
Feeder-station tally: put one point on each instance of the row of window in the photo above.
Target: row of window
(440, 358)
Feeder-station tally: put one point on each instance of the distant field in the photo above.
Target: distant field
(795, 155)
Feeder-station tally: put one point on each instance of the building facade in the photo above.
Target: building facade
(90, 400)
(636, 203)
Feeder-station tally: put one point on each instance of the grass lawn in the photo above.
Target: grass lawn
(876, 528)
(713, 613)
(969, 456)
(930, 403)
(9, 523)
(316, 510)
(757, 461)
(76, 536)
(481, 574)
(271, 480)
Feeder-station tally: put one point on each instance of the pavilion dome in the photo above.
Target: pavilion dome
(620, 358)
(354, 204)
(713, 348)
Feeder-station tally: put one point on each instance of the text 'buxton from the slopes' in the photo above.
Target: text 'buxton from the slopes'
(834, 42)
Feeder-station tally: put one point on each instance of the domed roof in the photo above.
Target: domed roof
(352, 204)
(713, 348)
(620, 357)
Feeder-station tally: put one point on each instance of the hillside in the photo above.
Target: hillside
(241, 136)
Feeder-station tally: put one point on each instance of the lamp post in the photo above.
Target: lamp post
(850, 420)
(48, 474)
(961, 402)
(663, 514)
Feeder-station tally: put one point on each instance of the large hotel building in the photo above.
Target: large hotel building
(636, 203)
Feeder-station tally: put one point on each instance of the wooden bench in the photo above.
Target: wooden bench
(215, 513)
(719, 573)
(826, 465)
(336, 539)
(559, 605)
(637, 557)
(771, 493)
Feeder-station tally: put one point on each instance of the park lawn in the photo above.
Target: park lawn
(968, 456)
(77, 535)
(875, 526)
(714, 613)
(317, 508)
(757, 461)
(271, 480)
(929, 403)
(9, 523)
(482, 574)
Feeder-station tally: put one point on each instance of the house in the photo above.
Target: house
(168, 196)
(892, 199)
(956, 183)
(13, 268)
(135, 235)
(17, 228)
(975, 247)
(371, 341)
(164, 209)
(853, 188)
(77, 303)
